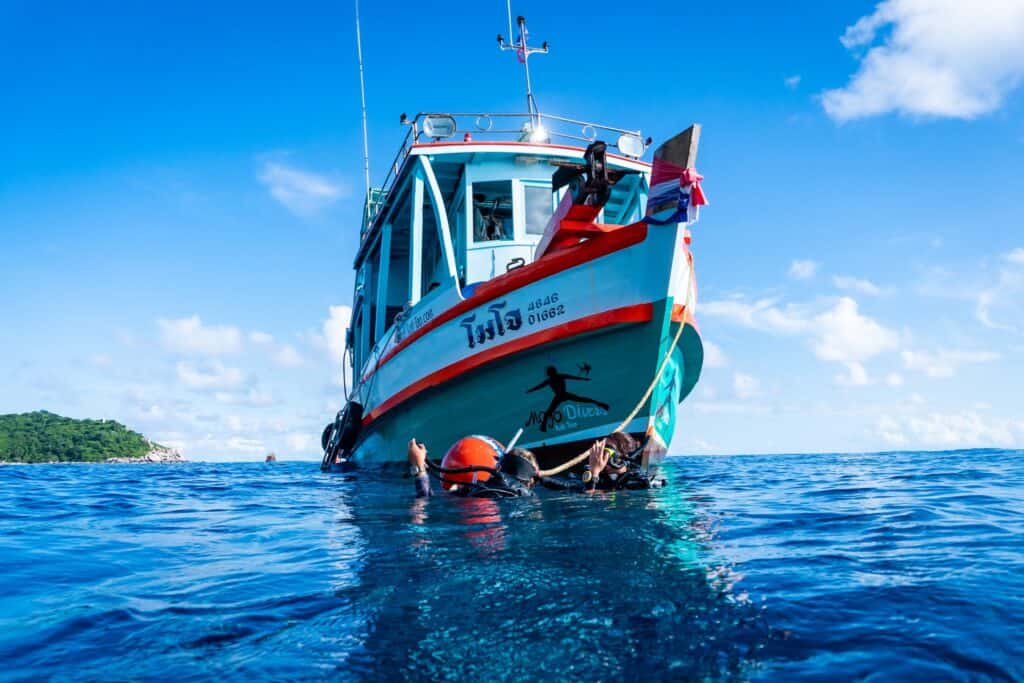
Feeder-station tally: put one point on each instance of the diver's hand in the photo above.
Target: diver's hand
(417, 454)
(597, 458)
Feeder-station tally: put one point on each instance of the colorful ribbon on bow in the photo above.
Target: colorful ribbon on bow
(673, 187)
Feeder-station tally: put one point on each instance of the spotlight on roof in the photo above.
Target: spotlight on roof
(539, 134)
(631, 145)
(439, 126)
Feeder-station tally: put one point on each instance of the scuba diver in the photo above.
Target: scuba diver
(478, 466)
(475, 466)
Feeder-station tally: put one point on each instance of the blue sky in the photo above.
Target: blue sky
(180, 191)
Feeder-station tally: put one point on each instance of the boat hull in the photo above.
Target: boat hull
(566, 353)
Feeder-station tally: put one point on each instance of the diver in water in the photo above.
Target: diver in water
(515, 472)
(611, 465)
(556, 380)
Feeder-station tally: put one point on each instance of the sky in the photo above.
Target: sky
(181, 189)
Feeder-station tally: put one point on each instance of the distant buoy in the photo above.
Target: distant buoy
(471, 451)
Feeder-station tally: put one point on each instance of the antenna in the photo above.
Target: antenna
(523, 52)
(362, 97)
(508, 11)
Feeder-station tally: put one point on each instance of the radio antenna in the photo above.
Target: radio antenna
(523, 52)
(508, 11)
(362, 98)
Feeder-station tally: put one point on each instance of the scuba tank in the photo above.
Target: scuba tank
(340, 436)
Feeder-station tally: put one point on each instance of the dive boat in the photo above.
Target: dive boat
(515, 273)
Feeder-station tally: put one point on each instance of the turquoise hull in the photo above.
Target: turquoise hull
(603, 375)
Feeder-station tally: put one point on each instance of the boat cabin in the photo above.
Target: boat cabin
(458, 209)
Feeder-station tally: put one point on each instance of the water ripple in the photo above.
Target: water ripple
(896, 566)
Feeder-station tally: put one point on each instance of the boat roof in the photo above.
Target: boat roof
(468, 135)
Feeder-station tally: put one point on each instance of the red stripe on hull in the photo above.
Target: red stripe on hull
(608, 243)
(639, 313)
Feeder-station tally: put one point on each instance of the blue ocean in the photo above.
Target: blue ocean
(882, 567)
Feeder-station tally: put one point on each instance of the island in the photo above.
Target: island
(44, 437)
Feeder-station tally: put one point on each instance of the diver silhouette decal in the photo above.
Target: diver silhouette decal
(556, 380)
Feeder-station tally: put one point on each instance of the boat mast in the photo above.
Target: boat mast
(523, 52)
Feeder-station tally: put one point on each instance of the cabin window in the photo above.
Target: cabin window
(397, 268)
(433, 269)
(492, 211)
(457, 225)
(371, 267)
(398, 278)
(539, 205)
(359, 350)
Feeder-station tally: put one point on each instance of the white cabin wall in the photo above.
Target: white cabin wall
(486, 260)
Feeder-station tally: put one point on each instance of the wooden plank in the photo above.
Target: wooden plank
(682, 149)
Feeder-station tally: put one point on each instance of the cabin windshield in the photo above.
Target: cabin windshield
(538, 205)
(492, 211)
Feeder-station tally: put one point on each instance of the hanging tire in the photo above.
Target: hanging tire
(351, 425)
(340, 436)
(325, 437)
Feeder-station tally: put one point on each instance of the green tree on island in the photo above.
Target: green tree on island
(44, 437)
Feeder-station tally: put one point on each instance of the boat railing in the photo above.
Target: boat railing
(485, 126)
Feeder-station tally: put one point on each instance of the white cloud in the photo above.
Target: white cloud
(745, 386)
(261, 338)
(839, 334)
(252, 397)
(288, 357)
(894, 379)
(234, 423)
(189, 335)
(944, 363)
(792, 82)
(211, 376)
(299, 443)
(714, 357)
(844, 335)
(761, 315)
(942, 58)
(891, 431)
(1000, 305)
(964, 429)
(856, 375)
(997, 293)
(149, 413)
(302, 192)
(803, 269)
(334, 330)
(243, 444)
(856, 285)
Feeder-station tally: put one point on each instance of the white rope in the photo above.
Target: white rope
(647, 394)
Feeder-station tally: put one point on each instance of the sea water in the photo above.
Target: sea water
(888, 567)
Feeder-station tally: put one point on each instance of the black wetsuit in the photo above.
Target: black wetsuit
(608, 481)
(506, 486)
(501, 485)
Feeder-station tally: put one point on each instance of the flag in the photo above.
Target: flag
(674, 187)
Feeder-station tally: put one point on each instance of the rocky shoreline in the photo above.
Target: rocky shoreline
(157, 454)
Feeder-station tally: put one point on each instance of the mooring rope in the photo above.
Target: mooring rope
(569, 464)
